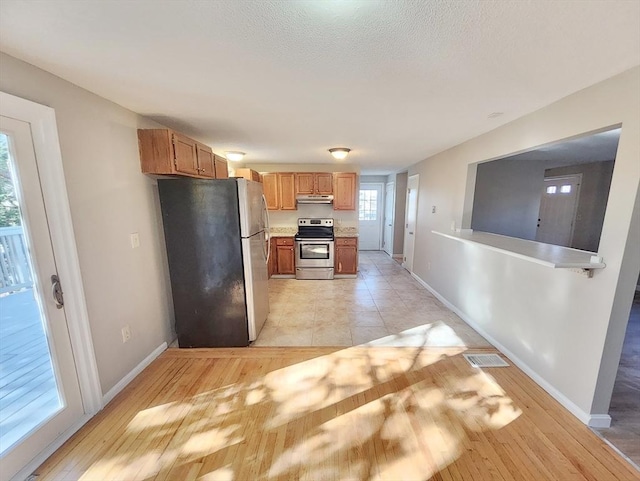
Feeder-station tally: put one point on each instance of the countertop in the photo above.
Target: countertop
(291, 231)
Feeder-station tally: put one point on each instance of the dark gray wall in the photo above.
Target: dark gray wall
(507, 197)
(592, 203)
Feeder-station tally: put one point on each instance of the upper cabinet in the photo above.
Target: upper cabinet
(222, 171)
(345, 189)
(314, 183)
(163, 151)
(279, 190)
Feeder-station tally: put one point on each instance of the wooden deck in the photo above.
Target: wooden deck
(357, 413)
(28, 393)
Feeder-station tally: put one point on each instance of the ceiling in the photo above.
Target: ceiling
(286, 80)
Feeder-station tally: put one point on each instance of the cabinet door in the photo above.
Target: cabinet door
(286, 260)
(287, 186)
(324, 183)
(222, 171)
(185, 157)
(345, 191)
(305, 183)
(205, 161)
(346, 259)
(271, 191)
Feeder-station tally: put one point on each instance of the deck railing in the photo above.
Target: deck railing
(15, 272)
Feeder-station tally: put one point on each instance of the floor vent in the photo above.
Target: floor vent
(485, 360)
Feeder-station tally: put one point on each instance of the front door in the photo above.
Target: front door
(411, 219)
(39, 391)
(558, 208)
(370, 217)
(389, 204)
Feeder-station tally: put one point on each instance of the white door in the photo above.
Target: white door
(410, 222)
(558, 208)
(389, 204)
(370, 217)
(39, 390)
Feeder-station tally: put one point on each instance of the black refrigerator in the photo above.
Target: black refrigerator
(216, 237)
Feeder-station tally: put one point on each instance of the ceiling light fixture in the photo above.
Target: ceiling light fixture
(340, 153)
(234, 156)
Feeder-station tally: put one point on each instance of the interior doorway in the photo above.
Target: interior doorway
(370, 207)
(389, 224)
(624, 409)
(558, 208)
(410, 222)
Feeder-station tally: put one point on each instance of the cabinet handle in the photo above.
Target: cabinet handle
(339, 266)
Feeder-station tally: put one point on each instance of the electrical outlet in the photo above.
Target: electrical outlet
(135, 240)
(433, 209)
(126, 334)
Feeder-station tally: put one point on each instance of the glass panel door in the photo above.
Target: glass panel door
(39, 391)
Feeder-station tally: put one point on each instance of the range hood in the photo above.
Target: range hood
(314, 199)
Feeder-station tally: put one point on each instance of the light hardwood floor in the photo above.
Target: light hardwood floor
(357, 413)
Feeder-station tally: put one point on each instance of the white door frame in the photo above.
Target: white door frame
(387, 244)
(54, 191)
(410, 239)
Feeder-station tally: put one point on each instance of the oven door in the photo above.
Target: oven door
(314, 253)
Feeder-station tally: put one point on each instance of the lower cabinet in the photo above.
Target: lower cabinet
(346, 255)
(282, 259)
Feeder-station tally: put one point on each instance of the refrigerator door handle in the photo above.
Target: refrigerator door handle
(267, 229)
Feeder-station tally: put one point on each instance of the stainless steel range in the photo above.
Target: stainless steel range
(314, 249)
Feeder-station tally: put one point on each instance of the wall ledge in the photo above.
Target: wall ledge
(556, 257)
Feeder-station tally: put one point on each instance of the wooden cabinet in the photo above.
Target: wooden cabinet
(279, 190)
(345, 189)
(314, 183)
(272, 265)
(271, 191)
(248, 174)
(284, 255)
(222, 170)
(287, 186)
(163, 151)
(346, 255)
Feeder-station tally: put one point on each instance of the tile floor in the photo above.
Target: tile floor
(383, 306)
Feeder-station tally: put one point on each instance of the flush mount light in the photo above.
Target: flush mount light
(340, 153)
(234, 156)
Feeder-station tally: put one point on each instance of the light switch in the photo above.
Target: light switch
(135, 240)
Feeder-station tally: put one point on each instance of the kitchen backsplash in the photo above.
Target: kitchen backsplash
(289, 218)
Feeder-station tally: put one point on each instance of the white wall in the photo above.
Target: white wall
(289, 218)
(401, 181)
(555, 321)
(109, 199)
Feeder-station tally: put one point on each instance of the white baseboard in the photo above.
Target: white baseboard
(132, 374)
(32, 465)
(592, 420)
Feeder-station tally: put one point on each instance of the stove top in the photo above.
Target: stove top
(309, 228)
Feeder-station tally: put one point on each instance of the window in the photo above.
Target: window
(565, 189)
(551, 189)
(368, 206)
